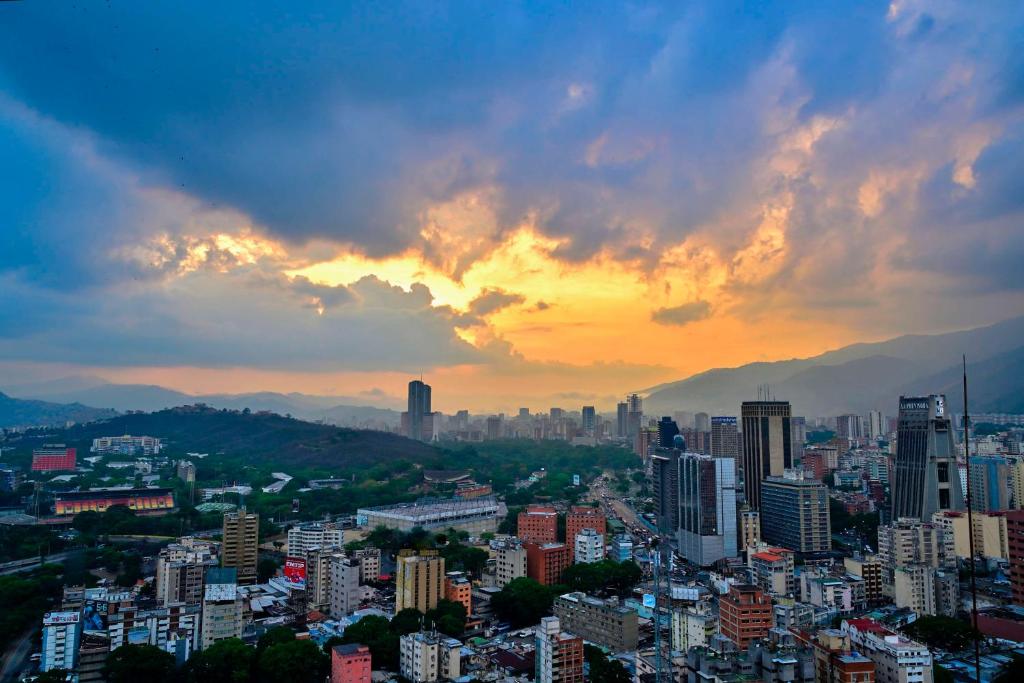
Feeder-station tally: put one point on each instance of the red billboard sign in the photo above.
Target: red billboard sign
(295, 570)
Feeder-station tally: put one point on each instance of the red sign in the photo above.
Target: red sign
(295, 570)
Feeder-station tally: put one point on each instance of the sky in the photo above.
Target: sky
(532, 203)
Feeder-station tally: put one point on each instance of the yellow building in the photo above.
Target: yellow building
(990, 539)
(419, 580)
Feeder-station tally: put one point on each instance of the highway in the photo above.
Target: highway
(15, 656)
(27, 565)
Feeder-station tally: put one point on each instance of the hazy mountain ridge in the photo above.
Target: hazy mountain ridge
(867, 376)
(16, 412)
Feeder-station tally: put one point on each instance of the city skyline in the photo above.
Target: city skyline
(572, 202)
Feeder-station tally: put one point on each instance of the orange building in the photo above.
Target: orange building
(457, 588)
(538, 524)
(350, 664)
(582, 517)
(745, 614)
(546, 562)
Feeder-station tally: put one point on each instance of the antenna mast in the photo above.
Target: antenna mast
(970, 531)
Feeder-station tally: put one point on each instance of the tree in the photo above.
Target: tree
(603, 669)
(523, 602)
(226, 661)
(53, 676)
(448, 617)
(942, 633)
(266, 568)
(297, 661)
(275, 636)
(376, 634)
(407, 620)
(132, 663)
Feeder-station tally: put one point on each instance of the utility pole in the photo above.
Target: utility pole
(970, 531)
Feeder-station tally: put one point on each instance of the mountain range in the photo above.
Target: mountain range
(855, 378)
(867, 376)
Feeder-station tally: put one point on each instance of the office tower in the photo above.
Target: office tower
(493, 427)
(181, 571)
(426, 657)
(622, 419)
(587, 547)
(750, 528)
(537, 524)
(797, 437)
(701, 422)
(767, 445)
(1015, 549)
(302, 537)
(344, 594)
(419, 580)
(589, 420)
(62, 633)
(745, 614)
(634, 415)
(239, 544)
(457, 588)
(725, 437)
(990, 483)
(53, 458)
(559, 655)
(667, 431)
(222, 607)
(603, 622)
(925, 476)
(545, 562)
(795, 514)
(665, 485)
(580, 517)
(510, 561)
(774, 571)
(418, 419)
(707, 508)
(351, 663)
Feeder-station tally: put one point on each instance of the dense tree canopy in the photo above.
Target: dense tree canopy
(523, 602)
(295, 661)
(603, 669)
(226, 661)
(134, 663)
(606, 575)
(942, 633)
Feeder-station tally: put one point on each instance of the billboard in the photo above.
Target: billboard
(59, 618)
(575, 480)
(295, 571)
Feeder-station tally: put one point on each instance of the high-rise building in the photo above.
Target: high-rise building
(725, 437)
(897, 659)
(798, 436)
(559, 655)
(702, 422)
(314, 535)
(876, 424)
(344, 593)
(510, 561)
(239, 544)
(428, 657)
(745, 614)
(767, 445)
(634, 415)
(925, 476)
(62, 633)
(580, 517)
(919, 566)
(546, 562)
(222, 607)
(622, 420)
(990, 483)
(419, 580)
(588, 547)
(418, 420)
(1015, 546)
(537, 524)
(795, 513)
(991, 539)
(707, 508)
(750, 528)
(774, 571)
(351, 663)
(494, 423)
(589, 420)
(621, 549)
(849, 427)
(603, 622)
(869, 569)
(667, 431)
(181, 571)
(665, 486)
(369, 563)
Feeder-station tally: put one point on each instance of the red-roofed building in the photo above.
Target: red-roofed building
(54, 458)
(774, 571)
(538, 524)
(582, 517)
(745, 614)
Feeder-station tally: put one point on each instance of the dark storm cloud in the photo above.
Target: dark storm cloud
(683, 314)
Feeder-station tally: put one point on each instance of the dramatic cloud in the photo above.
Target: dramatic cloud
(510, 188)
(683, 314)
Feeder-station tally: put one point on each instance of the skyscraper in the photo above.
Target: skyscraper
(634, 415)
(701, 422)
(419, 580)
(990, 483)
(418, 420)
(559, 657)
(767, 445)
(239, 543)
(725, 438)
(622, 419)
(665, 485)
(707, 508)
(667, 430)
(926, 478)
(795, 513)
(589, 420)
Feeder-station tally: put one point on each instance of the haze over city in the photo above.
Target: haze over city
(527, 204)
